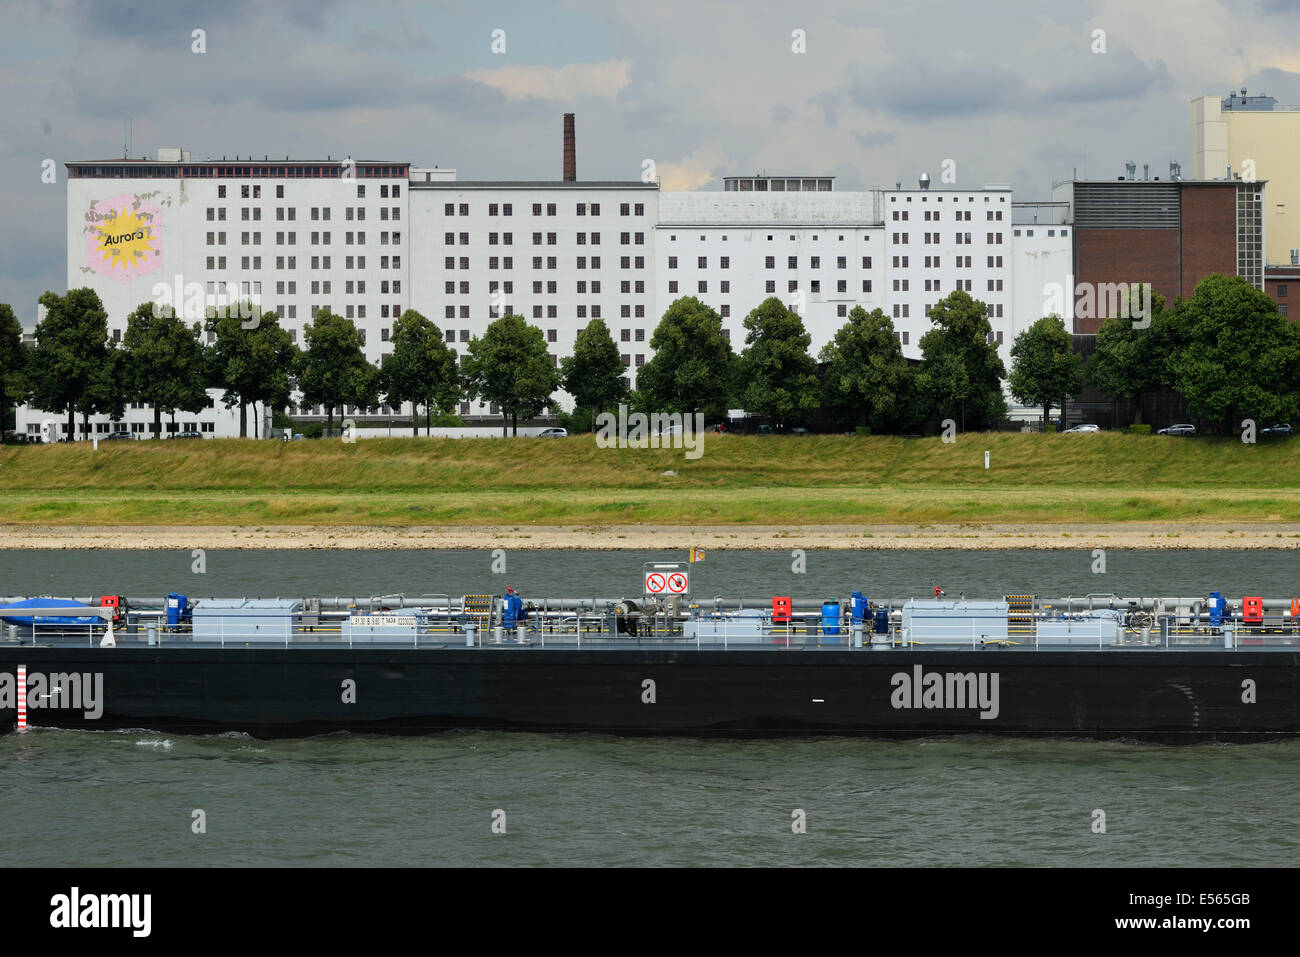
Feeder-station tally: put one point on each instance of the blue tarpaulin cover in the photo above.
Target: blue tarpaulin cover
(52, 619)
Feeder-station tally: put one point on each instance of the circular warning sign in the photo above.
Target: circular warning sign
(677, 583)
(655, 583)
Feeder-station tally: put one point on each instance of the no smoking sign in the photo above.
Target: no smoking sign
(667, 583)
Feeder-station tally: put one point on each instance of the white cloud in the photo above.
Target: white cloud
(693, 171)
(567, 82)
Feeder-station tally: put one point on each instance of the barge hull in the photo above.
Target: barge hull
(1178, 696)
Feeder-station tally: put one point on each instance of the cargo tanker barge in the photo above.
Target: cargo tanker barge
(664, 662)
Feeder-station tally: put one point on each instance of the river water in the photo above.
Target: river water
(110, 798)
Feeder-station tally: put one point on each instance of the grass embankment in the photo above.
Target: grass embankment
(768, 480)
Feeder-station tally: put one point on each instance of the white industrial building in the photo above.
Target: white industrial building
(368, 239)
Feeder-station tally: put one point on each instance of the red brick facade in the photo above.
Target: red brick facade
(1173, 260)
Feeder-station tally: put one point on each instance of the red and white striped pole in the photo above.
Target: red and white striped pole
(22, 697)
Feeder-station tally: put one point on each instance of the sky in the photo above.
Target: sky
(1008, 91)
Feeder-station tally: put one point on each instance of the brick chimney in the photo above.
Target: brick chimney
(570, 151)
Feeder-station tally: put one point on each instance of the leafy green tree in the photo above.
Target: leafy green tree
(1129, 360)
(867, 379)
(693, 368)
(779, 376)
(1044, 367)
(1241, 357)
(420, 370)
(509, 365)
(164, 362)
(251, 362)
(961, 373)
(593, 375)
(13, 361)
(107, 393)
(332, 370)
(66, 367)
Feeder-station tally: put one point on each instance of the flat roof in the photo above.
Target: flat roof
(533, 184)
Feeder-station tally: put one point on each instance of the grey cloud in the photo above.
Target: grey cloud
(1115, 74)
(874, 138)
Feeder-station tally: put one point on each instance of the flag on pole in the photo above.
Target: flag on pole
(697, 554)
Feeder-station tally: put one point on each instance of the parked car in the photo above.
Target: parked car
(1281, 429)
(798, 430)
(1083, 428)
(1182, 428)
(553, 434)
(188, 435)
(115, 436)
(763, 430)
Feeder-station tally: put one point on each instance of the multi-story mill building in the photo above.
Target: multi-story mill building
(369, 239)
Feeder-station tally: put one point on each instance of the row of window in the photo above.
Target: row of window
(551, 262)
(102, 428)
(254, 190)
(991, 239)
(962, 215)
(317, 239)
(960, 262)
(938, 198)
(1050, 232)
(507, 209)
(317, 262)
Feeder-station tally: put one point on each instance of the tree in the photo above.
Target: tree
(1241, 357)
(332, 370)
(779, 376)
(420, 370)
(867, 379)
(13, 360)
(693, 367)
(961, 374)
(593, 375)
(252, 364)
(164, 362)
(1128, 362)
(1044, 367)
(66, 367)
(509, 365)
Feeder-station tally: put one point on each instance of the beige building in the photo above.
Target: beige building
(1251, 137)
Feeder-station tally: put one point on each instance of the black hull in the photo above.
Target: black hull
(1148, 695)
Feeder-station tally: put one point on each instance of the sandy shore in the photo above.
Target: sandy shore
(1133, 535)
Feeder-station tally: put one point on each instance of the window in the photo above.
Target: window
(221, 192)
(866, 262)
(1281, 289)
(550, 209)
(672, 262)
(464, 209)
(771, 286)
(702, 262)
(672, 287)
(640, 209)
